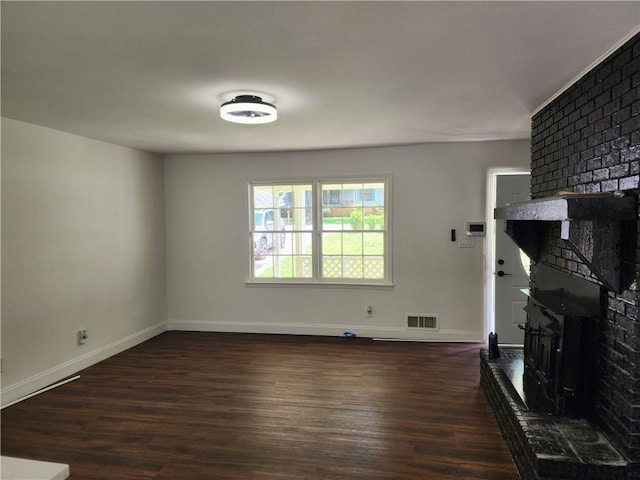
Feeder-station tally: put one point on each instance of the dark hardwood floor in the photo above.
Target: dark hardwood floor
(232, 406)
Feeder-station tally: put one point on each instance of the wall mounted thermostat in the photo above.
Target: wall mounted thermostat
(476, 228)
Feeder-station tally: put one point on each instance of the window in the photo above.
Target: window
(331, 198)
(321, 231)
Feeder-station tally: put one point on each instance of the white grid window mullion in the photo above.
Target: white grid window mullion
(317, 230)
(338, 252)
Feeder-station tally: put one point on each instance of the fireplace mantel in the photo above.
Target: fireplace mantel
(590, 224)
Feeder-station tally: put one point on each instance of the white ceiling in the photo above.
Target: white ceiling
(151, 75)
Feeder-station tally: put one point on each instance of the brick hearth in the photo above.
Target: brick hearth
(546, 447)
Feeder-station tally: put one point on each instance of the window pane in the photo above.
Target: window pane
(303, 243)
(373, 268)
(373, 243)
(352, 243)
(332, 267)
(374, 193)
(284, 195)
(352, 195)
(355, 220)
(374, 218)
(285, 240)
(303, 267)
(283, 266)
(263, 197)
(263, 267)
(333, 218)
(332, 243)
(331, 196)
(352, 267)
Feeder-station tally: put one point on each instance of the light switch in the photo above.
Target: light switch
(465, 242)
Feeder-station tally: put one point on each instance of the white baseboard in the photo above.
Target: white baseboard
(367, 331)
(36, 382)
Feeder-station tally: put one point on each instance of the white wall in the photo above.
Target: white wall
(435, 188)
(83, 247)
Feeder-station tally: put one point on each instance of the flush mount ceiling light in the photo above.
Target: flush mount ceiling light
(248, 109)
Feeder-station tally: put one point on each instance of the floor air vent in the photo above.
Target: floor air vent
(429, 322)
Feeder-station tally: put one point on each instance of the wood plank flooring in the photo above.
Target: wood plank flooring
(189, 405)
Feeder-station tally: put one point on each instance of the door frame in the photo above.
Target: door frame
(490, 244)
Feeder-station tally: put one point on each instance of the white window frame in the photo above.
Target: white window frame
(317, 201)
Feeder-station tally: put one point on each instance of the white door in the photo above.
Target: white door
(511, 270)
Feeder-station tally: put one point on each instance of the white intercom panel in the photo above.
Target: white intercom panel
(476, 228)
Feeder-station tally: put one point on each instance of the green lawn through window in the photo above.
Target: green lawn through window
(339, 243)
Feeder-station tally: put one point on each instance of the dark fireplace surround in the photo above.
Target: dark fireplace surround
(581, 418)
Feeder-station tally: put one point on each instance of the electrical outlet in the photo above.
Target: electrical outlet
(369, 310)
(83, 335)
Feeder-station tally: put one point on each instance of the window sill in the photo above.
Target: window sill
(276, 283)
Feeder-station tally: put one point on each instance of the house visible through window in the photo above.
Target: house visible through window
(321, 231)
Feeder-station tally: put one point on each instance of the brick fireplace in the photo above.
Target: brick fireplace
(587, 141)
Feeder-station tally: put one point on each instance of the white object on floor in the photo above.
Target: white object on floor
(42, 390)
(20, 469)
